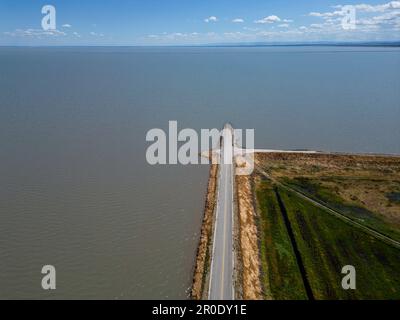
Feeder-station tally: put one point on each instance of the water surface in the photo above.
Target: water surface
(76, 191)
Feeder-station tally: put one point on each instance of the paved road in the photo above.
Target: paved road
(221, 274)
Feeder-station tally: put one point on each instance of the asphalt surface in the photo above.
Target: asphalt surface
(221, 274)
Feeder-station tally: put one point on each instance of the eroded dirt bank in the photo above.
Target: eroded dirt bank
(204, 249)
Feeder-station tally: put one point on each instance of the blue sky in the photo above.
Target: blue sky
(180, 22)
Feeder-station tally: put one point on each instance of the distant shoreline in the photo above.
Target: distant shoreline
(389, 44)
(229, 45)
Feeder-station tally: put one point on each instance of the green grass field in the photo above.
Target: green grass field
(325, 244)
(313, 189)
(280, 272)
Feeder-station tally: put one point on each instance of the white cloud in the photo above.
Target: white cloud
(265, 34)
(375, 8)
(374, 22)
(317, 25)
(211, 19)
(238, 20)
(67, 25)
(76, 34)
(195, 37)
(35, 33)
(251, 29)
(172, 36)
(370, 18)
(360, 8)
(389, 18)
(269, 19)
(327, 14)
(95, 34)
(237, 36)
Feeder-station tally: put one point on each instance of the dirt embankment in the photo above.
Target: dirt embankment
(250, 263)
(203, 250)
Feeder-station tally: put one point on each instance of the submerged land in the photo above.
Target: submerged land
(302, 217)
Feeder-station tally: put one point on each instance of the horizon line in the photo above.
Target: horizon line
(395, 43)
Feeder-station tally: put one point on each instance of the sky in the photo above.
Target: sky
(196, 22)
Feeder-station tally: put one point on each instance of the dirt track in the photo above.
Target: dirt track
(250, 265)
